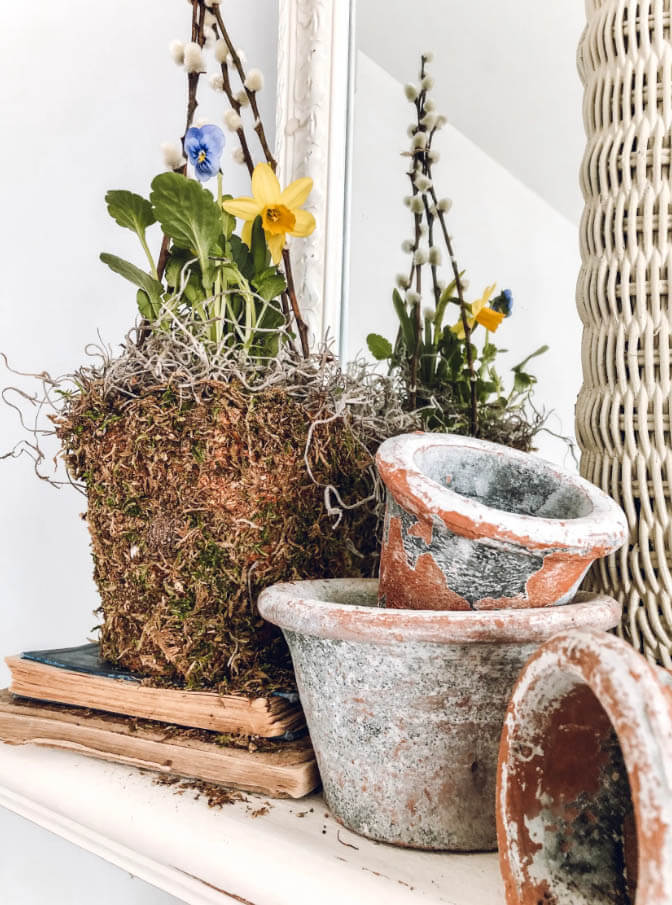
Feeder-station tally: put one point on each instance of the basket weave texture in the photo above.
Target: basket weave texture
(624, 301)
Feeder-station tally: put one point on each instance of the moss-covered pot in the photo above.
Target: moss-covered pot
(405, 708)
(194, 504)
(584, 799)
(477, 525)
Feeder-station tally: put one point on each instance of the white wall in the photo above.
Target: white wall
(503, 232)
(506, 78)
(88, 93)
(39, 868)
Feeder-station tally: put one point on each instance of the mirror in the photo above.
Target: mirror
(506, 81)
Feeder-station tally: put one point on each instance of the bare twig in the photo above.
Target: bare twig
(289, 297)
(422, 157)
(236, 105)
(197, 26)
(300, 323)
(251, 95)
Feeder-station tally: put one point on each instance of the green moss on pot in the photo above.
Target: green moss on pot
(194, 505)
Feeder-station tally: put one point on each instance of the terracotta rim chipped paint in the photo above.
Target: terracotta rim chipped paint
(405, 709)
(582, 698)
(471, 546)
(322, 608)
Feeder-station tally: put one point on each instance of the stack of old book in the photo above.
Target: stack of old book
(69, 699)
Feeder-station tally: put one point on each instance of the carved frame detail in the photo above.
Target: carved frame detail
(312, 118)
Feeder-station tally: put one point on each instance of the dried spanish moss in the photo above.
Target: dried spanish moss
(210, 475)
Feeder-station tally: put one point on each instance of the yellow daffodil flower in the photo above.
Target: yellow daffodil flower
(482, 314)
(280, 211)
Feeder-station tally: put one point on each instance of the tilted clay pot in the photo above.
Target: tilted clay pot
(472, 525)
(405, 709)
(584, 798)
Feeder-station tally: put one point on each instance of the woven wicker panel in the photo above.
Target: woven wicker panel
(624, 299)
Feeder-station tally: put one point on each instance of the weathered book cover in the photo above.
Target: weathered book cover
(281, 769)
(76, 676)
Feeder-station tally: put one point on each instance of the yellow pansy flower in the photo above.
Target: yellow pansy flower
(280, 211)
(480, 314)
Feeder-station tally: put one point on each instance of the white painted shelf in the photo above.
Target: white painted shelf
(209, 856)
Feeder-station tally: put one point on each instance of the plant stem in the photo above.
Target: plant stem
(300, 323)
(152, 265)
(289, 297)
(217, 307)
(416, 312)
(473, 412)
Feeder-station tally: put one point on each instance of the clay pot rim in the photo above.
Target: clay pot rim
(628, 688)
(602, 531)
(304, 607)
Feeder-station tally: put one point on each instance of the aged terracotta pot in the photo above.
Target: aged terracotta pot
(472, 525)
(584, 798)
(405, 709)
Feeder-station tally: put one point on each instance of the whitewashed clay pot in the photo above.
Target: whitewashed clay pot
(472, 525)
(405, 709)
(584, 798)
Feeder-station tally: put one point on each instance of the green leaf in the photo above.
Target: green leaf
(539, 351)
(174, 272)
(183, 275)
(260, 256)
(188, 214)
(270, 287)
(379, 347)
(228, 220)
(485, 388)
(130, 210)
(151, 287)
(267, 340)
(241, 255)
(267, 272)
(407, 326)
(428, 342)
(441, 311)
(488, 354)
(145, 306)
(448, 294)
(523, 381)
(442, 372)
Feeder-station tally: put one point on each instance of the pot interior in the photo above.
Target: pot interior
(572, 806)
(345, 592)
(503, 483)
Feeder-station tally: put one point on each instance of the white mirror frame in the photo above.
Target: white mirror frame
(314, 84)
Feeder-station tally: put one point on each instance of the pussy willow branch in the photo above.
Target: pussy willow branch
(429, 216)
(251, 95)
(416, 268)
(473, 412)
(236, 105)
(416, 271)
(197, 36)
(249, 163)
(291, 291)
(290, 296)
(427, 166)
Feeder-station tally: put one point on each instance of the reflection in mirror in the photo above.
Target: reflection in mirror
(505, 79)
